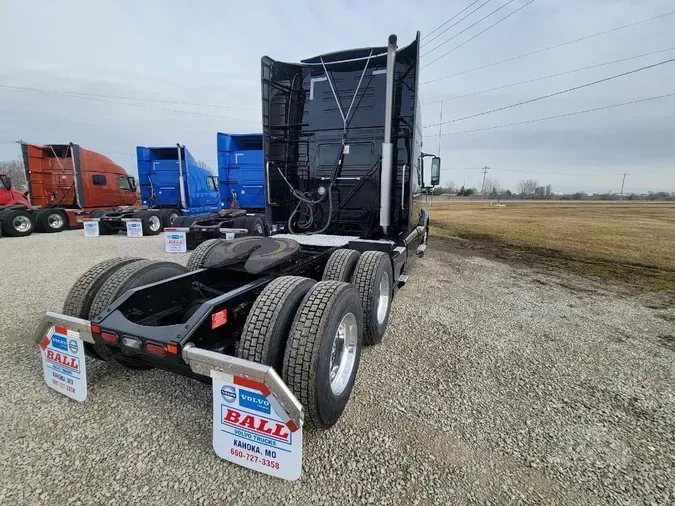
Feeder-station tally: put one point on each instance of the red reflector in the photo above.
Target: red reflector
(109, 337)
(96, 329)
(155, 349)
(218, 319)
(172, 348)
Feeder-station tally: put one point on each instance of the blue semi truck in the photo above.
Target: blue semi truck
(174, 191)
(240, 171)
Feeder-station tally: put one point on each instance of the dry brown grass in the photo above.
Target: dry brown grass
(611, 237)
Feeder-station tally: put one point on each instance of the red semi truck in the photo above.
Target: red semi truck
(64, 181)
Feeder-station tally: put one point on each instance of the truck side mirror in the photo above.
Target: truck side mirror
(435, 171)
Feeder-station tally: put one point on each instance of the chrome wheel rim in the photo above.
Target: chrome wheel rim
(55, 220)
(22, 224)
(343, 354)
(383, 299)
(155, 223)
(172, 218)
(258, 229)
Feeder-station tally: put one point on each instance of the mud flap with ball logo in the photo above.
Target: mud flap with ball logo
(250, 428)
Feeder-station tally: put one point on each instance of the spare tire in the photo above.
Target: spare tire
(136, 274)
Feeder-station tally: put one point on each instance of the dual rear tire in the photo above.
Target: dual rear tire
(105, 282)
(311, 334)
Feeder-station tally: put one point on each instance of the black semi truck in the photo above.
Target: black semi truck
(284, 315)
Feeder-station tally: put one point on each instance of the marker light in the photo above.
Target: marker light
(321, 190)
(109, 337)
(155, 349)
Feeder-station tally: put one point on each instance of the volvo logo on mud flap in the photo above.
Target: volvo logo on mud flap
(72, 345)
(229, 393)
(254, 401)
(59, 342)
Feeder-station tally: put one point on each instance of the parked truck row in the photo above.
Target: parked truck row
(67, 183)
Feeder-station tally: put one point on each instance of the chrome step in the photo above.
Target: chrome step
(402, 280)
(420, 249)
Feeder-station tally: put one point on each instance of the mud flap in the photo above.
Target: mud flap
(63, 362)
(251, 429)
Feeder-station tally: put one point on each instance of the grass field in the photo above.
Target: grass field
(632, 242)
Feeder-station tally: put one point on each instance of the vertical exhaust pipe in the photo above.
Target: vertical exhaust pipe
(181, 179)
(386, 174)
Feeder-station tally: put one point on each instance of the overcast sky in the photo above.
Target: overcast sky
(208, 52)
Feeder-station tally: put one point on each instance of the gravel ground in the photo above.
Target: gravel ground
(495, 384)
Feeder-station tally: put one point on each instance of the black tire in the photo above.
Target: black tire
(50, 221)
(369, 272)
(136, 274)
(179, 222)
(340, 265)
(240, 222)
(255, 225)
(82, 293)
(197, 257)
(168, 217)
(17, 223)
(263, 339)
(309, 350)
(150, 222)
(103, 228)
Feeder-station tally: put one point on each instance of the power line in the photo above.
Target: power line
(585, 111)
(479, 33)
(447, 21)
(467, 28)
(557, 92)
(66, 94)
(127, 98)
(458, 21)
(549, 76)
(549, 48)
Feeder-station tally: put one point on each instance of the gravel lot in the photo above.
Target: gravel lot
(496, 384)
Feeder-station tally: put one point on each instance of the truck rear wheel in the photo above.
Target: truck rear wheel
(340, 265)
(265, 332)
(323, 351)
(81, 295)
(51, 220)
(255, 225)
(168, 216)
(16, 223)
(150, 222)
(374, 280)
(136, 274)
(197, 257)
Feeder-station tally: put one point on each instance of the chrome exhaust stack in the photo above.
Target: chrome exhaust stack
(386, 174)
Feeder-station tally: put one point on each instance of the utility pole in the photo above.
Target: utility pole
(482, 188)
(622, 183)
